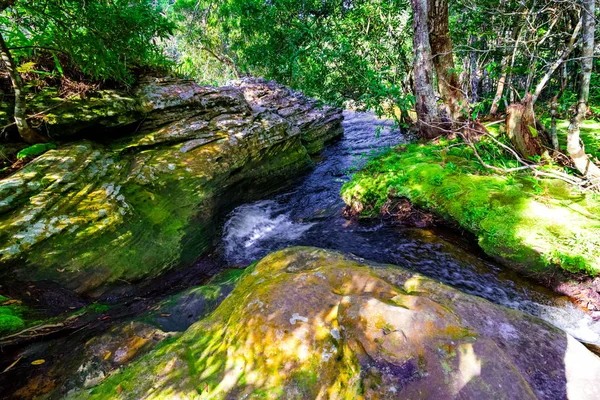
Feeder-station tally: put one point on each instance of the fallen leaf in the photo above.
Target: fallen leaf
(12, 301)
(38, 362)
(108, 355)
(165, 315)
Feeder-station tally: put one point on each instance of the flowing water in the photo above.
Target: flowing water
(310, 215)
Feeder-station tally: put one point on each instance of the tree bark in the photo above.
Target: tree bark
(28, 134)
(443, 60)
(574, 147)
(521, 128)
(554, 107)
(428, 119)
(500, 87)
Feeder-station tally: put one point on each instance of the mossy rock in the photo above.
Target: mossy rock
(310, 323)
(89, 214)
(530, 223)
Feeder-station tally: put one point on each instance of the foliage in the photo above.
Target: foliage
(357, 50)
(35, 150)
(10, 315)
(535, 223)
(103, 39)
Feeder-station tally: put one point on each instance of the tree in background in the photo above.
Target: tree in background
(334, 50)
(103, 39)
(574, 147)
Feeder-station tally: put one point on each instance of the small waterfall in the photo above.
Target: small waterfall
(251, 228)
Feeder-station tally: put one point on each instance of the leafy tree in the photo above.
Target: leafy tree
(334, 50)
(102, 38)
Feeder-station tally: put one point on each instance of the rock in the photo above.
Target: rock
(74, 361)
(319, 124)
(86, 364)
(180, 311)
(99, 113)
(311, 323)
(88, 214)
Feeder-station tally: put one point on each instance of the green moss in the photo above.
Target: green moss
(12, 316)
(10, 321)
(35, 150)
(231, 275)
(537, 223)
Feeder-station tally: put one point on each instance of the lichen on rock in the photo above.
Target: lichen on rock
(311, 323)
(90, 213)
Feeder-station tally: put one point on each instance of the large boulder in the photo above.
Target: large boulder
(310, 323)
(91, 213)
(320, 124)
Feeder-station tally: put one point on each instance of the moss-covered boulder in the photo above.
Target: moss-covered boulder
(89, 213)
(76, 361)
(310, 323)
(535, 224)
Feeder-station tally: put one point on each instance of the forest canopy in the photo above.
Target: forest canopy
(440, 62)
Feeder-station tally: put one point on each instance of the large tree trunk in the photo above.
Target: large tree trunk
(521, 128)
(426, 107)
(443, 60)
(574, 146)
(28, 134)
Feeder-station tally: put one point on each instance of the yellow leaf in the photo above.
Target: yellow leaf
(38, 362)
(107, 355)
(26, 67)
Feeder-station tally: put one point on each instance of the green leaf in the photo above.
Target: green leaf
(57, 65)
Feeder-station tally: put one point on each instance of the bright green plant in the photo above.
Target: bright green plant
(35, 150)
(104, 39)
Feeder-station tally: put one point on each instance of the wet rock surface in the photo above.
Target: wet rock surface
(102, 342)
(310, 323)
(154, 195)
(319, 124)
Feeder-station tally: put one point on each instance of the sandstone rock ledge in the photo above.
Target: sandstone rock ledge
(95, 211)
(307, 323)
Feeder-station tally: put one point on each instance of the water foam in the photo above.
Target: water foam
(253, 227)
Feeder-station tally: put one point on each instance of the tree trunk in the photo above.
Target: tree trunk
(474, 72)
(28, 134)
(500, 87)
(443, 59)
(554, 107)
(574, 146)
(521, 129)
(428, 120)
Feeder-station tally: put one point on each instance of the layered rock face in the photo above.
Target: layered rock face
(319, 124)
(91, 212)
(307, 323)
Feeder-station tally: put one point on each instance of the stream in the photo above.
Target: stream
(310, 215)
